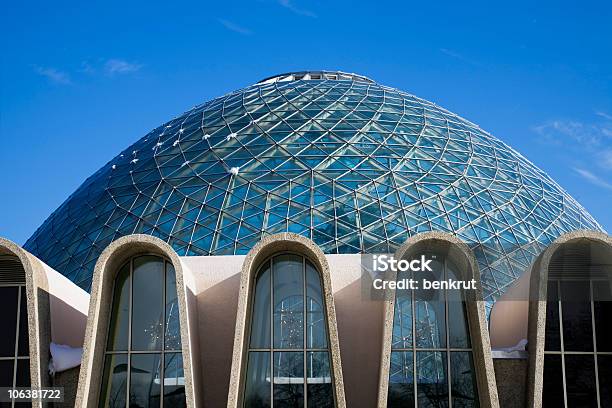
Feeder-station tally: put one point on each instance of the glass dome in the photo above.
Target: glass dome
(351, 164)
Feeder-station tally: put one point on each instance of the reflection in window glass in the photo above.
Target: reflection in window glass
(288, 379)
(320, 391)
(172, 332)
(429, 305)
(288, 302)
(260, 328)
(293, 371)
(145, 383)
(118, 332)
(147, 303)
(150, 370)
(174, 381)
(401, 380)
(432, 386)
(113, 393)
(428, 354)
(463, 386)
(402, 319)
(257, 384)
(316, 335)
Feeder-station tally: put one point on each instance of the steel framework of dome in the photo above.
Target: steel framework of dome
(355, 166)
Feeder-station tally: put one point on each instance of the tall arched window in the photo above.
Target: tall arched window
(143, 364)
(288, 361)
(14, 341)
(431, 355)
(578, 334)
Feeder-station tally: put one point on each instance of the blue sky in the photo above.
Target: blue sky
(80, 81)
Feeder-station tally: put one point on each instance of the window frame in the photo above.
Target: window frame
(21, 297)
(259, 269)
(447, 350)
(129, 352)
(467, 267)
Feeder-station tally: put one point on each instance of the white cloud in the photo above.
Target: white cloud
(288, 4)
(118, 66)
(593, 179)
(590, 136)
(234, 27)
(461, 57)
(589, 141)
(53, 75)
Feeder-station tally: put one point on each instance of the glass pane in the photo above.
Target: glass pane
(552, 341)
(173, 328)
(118, 331)
(604, 364)
(24, 336)
(463, 381)
(145, 380)
(174, 381)
(458, 331)
(402, 317)
(320, 391)
(257, 388)
(8, 320)
(288, 302)
(114, 382)
(288, 379)
(552, 393)
(23, 373)
(603, 313)
(580, 381)
(317, 333)
(429, 308)
(577, 328)
(401, 380)
(147, 303)
(260, 318)
(432, 386)
(6, 373)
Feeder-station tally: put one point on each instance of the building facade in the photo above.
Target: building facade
(219, 261)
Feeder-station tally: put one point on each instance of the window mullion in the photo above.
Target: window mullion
(16, 341)
(414, 337)
(129, 345)
(448, 353)
(560, 308)
(305, 334)
(594, 342)
(162, 360)
(271, 333)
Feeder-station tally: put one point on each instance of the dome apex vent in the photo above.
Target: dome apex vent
(316, 75)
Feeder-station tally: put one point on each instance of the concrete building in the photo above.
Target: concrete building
(221, 261)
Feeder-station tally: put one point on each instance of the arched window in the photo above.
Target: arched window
(431, 356)
(578, 334)
(288, 361)
(14, 341)
(143, 365)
